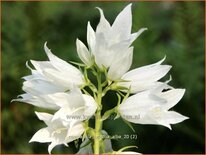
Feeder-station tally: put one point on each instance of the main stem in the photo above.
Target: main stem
(98, 121)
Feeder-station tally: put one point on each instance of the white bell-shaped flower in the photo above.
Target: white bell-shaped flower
(56, 131)
(74, 106)
(144, 78)
(152, 107)
(60, 71)
(109, 45)
(49, 77)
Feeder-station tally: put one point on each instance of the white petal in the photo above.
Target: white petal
(60, 64)
(59, 133)
(42, 136)
(91, 106)
(165, 124)
(73, 99)
(134, 36)
(101, 53)
(136, 108)
(24, 98)
(51, 146)
(72, 104)
(64, 79)
(107, 52)
(173, 117)
(75, 132)
(145, 77)
(160, 86)
(83, 53)
(116, 70)
(103, 26)
(91, 39)
(173, 97)
(41, 65)
(39, 87)
(115, 52)
(64, 114)
(153, 73)
(154, 64)
(37, 101)
(46, 117)
(73, 111)
(144, 69)
(123, 23)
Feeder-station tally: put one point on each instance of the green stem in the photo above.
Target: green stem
(98, 121)
(97, 138)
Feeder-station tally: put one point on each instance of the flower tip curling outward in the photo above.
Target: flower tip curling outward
(46, 49)
(137, 34)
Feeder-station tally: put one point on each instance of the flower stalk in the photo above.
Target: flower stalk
(98, 121)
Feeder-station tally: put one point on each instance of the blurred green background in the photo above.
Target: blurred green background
(176, 29)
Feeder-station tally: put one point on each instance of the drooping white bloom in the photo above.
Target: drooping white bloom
(37, 88)
(74, 106)
(152, 106)
(55, 73)
(41, 101)
(60, 71)
(109, 45)
(49, 77)
(144, 78)
(56, 132)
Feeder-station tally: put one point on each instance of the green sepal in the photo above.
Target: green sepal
(85, 92)
(127, 95)
(122, 80)
(114, 86)
(84, 136)
(90, 132)
(76, 143)
(116, 110)
(89, 142)
(78, 64)
(108, 113)
(129, 124)
(117, 116)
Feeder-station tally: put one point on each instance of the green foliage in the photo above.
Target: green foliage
(175, 29)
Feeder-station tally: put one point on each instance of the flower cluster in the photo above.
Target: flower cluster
(74, 97)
